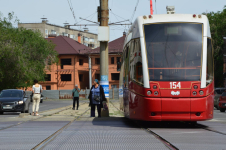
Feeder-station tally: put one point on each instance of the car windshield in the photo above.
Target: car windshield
(11, 94)
(220, 91)
(224, 94)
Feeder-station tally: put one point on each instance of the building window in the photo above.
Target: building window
(72, 36)
(118, 64)
(46, 31)
(80, 77)
(65, 62)
(48, 87)
(91, 45)
(115, 76)
(97, 76)
(81, 62)
(112, 60)
(64, 34)
(48, 77)
(113, 86)
(97, 61)
(53, 32)
(91, 40)
(65, 77)
(85, 39)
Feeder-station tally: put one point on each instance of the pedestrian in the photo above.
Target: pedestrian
(36, 91)
(75, 95)
(96, 98)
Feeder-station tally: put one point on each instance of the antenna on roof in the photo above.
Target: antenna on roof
(44, 20)
(66, 24)
(86, 29)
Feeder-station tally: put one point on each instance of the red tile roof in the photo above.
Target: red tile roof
(65, 45)
(115, 46)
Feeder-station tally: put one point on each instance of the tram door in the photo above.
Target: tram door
(126, 55)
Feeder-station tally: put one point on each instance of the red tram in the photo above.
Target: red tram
(167, 69)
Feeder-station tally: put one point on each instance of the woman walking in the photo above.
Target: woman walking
(96, 98)
(36, 90)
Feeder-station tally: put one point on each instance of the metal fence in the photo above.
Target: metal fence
(67, 94)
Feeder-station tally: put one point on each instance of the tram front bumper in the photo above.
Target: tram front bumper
(180, 109)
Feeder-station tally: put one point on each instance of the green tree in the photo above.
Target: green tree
(24, 54)
(218, 31)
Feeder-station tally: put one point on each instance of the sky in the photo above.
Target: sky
(58, 11)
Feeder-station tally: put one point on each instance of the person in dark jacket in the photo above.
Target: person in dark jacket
(96, 98)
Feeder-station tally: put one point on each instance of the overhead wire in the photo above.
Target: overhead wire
(71, 8)
(131, 19)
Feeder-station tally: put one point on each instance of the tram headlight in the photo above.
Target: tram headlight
(194, 93)
(144, 17)
(154, 87)
(149, 92)
(199, 16)
(195, 87)
(201, 92)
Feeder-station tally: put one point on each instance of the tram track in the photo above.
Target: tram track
(44, 116)
(185, 124)
(208, 129)
(157, 136)
(46, 141)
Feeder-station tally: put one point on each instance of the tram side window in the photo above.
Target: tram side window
(126, 67)
(137, 63)
(209, 71)
(131, 61)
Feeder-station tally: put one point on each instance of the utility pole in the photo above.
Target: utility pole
(103, 37)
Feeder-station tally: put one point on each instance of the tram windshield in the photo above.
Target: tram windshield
(174, 51)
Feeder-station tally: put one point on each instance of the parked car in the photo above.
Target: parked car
(222, 102)
(218, 92)
(31, 98)
(13, 100)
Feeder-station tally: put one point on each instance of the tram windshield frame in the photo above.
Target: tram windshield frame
(174, 51)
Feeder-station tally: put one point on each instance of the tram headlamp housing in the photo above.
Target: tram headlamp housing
(154, 87)
(199, 16)
(144, 17)
(149, 92)
(195, 87)
(201, 92)
(194, 93)
(156, 93)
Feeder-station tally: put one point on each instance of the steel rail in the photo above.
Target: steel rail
(14, 125)
(46, 141)
(205, 128)
(164, 141)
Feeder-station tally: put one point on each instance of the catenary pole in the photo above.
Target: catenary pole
(104, 16)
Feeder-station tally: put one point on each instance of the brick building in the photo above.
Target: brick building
(73, 66)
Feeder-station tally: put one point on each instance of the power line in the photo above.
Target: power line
(131, 19)
(71, 7)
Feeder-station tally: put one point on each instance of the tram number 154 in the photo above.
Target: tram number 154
(174, 85)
